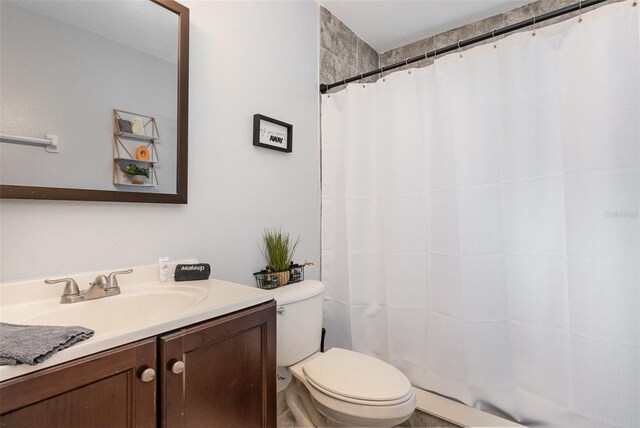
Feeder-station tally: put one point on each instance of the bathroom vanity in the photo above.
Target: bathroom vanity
(210, 364)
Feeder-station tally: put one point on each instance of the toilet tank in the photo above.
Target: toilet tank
(299, 321)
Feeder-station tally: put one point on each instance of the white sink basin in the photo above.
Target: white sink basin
(111, 314)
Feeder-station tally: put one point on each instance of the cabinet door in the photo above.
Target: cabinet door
(229, 376)
(101, 390)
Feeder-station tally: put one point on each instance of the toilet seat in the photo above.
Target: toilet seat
(357, 378)
(357, 401)
(333, 378)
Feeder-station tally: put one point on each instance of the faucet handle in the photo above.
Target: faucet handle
(113, 281)
(100, 281)
(70, 289)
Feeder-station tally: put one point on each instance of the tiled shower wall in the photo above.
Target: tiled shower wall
(344, 54)
(451, 37)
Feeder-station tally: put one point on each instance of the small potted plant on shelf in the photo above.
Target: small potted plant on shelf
(278, 251)
(137, 175)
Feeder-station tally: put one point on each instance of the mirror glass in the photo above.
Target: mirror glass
(100, 76)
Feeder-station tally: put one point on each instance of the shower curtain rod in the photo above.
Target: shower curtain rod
(464, 43)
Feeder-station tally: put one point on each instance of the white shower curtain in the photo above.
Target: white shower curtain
(481, 225)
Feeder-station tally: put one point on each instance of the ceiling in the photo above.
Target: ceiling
(388, 24)
(142, 25)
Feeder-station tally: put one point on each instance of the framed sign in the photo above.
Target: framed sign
(272, 134)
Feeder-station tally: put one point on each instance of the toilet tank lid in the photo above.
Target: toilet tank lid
(298, 291)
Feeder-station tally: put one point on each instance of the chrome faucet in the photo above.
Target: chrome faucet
(102, 286)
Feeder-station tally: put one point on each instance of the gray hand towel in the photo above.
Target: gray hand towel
(32, 344)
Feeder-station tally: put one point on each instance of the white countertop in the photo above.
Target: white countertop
(216, 298)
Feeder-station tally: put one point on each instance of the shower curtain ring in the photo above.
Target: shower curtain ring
(580, 12)
(435, 49)
(459, 51)
(493, 34)
(534, 26)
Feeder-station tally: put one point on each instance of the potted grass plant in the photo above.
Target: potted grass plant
(278, 249)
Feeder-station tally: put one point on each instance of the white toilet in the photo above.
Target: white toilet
(337, 387)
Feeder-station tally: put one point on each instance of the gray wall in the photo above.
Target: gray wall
(241, 64)
(59, 79)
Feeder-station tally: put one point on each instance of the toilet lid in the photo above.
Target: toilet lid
(357, 376)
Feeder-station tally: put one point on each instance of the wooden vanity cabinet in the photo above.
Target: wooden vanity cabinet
(219, 373)
(103, 390)
(229, 377)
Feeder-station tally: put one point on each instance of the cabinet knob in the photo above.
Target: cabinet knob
(148, 375)
(177, 367)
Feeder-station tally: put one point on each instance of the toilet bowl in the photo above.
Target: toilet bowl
(338, 387)
(353, 389)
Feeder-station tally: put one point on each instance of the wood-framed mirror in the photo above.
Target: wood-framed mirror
(106, 84)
